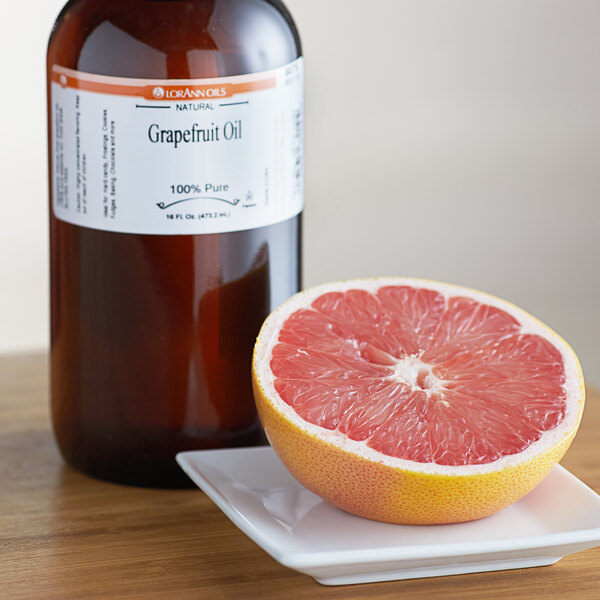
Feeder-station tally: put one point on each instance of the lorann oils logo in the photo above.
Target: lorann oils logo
(188, 93)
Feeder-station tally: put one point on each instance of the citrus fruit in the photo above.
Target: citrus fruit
(415, 402)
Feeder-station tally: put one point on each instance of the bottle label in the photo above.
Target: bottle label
(171, 157)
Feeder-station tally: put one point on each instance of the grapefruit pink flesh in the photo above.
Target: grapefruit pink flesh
(419, 376)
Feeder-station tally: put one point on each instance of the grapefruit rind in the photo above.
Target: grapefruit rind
(350, 475)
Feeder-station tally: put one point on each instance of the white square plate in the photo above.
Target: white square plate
(298, 529)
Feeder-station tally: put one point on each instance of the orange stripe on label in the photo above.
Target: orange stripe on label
(205, 92)
(159, 90)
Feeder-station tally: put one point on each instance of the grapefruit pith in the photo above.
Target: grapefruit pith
(416, 402)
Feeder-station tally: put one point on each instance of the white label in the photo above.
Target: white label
(177, 156)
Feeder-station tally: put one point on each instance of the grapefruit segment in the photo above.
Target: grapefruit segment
(413, 391)
(412, 312)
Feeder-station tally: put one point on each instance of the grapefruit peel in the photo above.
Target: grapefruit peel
(360, 480)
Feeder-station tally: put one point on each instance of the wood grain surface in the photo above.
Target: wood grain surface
(64, 535)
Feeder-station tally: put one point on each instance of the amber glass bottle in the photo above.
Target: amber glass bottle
(175, 131)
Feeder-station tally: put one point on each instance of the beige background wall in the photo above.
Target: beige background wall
(451, 139)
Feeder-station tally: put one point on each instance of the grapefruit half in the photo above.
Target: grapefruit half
(416, 402)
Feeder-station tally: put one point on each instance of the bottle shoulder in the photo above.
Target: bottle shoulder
(173, 39)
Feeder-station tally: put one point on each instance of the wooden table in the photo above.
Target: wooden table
(64, 535)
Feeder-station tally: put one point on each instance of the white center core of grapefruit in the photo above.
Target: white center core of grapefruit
(412, 371)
